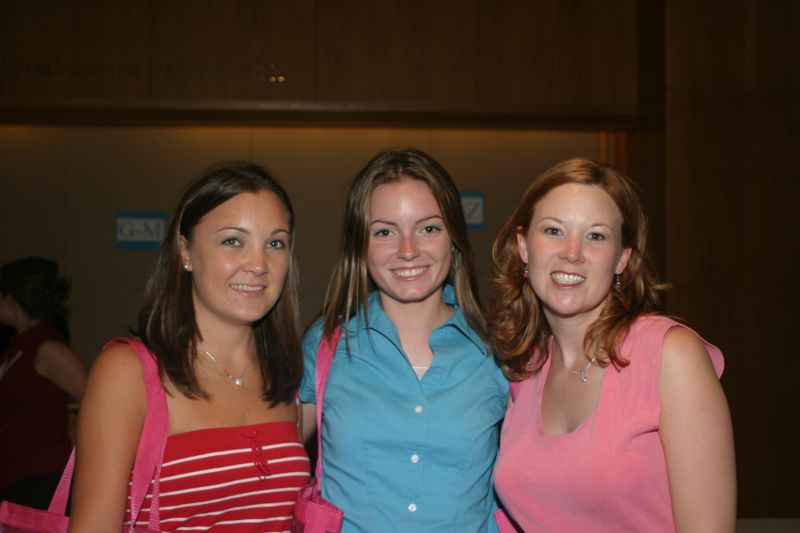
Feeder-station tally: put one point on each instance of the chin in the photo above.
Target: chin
(411, 296)
(572, 311)
(255, 316)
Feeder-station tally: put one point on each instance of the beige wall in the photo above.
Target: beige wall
(60, 188)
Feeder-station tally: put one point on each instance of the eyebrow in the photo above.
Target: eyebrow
(390, 223)
(247, 232)
(554, 219)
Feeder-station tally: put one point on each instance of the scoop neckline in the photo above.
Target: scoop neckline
(585, 422)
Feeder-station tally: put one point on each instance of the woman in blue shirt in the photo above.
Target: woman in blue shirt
(414, 398)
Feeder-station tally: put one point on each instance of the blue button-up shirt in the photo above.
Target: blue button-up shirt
(404, 454)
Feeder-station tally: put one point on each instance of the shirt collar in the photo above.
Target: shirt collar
(378, 321)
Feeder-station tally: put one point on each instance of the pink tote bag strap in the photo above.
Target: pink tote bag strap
(58, 503)
(324, 360)
(150, 452)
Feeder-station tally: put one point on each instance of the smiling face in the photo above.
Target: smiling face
(408, 255)
(239, 257)
(573, 248)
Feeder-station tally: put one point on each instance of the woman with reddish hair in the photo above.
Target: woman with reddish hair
(620, 423)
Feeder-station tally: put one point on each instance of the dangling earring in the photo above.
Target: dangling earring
(525, 271)
(617, 281)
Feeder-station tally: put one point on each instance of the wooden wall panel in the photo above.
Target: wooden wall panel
(234, 50)
(508, 62)
(561, 54)
(397, 51)
(61, 50)
(647, 141)
(733, 129)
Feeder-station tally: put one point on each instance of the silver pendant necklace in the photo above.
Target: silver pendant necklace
(236, 381)
(584, 372)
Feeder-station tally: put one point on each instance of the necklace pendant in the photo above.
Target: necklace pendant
(584, 376)
(238, 382)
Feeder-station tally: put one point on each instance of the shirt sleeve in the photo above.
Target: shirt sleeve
(310, 346)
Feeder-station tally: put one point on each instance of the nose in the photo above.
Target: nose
(408, 247)
(257, 262)
(573, 249)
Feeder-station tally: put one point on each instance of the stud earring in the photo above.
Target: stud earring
(187, 267)
(617, 281)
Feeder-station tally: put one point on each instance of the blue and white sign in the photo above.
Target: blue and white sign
(140, 229)
(473, 204)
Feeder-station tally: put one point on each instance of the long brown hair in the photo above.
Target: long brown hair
(350, 284)
(167, 322)
(518, 325)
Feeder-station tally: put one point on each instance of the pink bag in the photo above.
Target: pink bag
(312, 513)
(15, 518)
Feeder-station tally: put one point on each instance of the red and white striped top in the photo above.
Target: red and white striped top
(242, 479)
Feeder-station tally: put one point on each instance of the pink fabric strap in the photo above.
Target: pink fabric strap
(324, 359)
(153, 440)
(150, 451)
(58, 504)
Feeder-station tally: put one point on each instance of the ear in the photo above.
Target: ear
(183, 245)
(522, 244)
(623, 260)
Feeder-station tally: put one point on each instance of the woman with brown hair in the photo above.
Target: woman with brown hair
(414, 398)
(220, 318)
(620, 423)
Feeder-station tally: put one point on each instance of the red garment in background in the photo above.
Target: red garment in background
(33, 411)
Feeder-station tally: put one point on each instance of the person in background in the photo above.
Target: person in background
(414, 397)
(620, 423)
(39, 373)
(220, 316)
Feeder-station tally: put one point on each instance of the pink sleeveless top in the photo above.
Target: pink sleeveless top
(609, 474)
(242, 479)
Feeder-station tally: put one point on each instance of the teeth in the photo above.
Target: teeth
(248, 288)
(567, 279)
(409, 272)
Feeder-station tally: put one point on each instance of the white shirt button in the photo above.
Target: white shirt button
(412, 507)
(415, 458)
(418, 409)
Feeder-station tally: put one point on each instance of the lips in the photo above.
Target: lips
(409, 273)
(566, 278)
(246, 288)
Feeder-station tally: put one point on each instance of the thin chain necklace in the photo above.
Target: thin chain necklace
(236, 381)
(583, 373)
